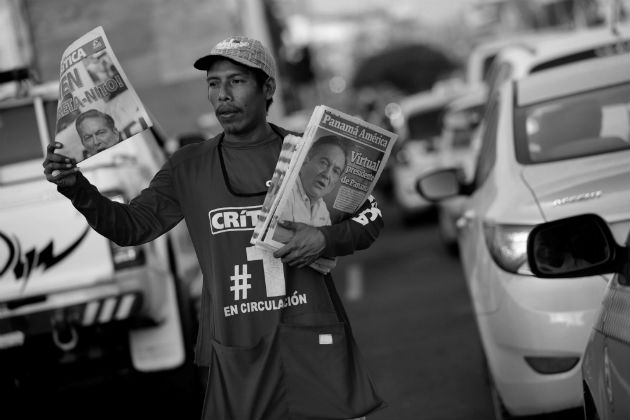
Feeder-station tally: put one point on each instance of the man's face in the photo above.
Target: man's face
(96, 135)
(238, 101)
(322, 170)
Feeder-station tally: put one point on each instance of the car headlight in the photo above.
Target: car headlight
(508, 246)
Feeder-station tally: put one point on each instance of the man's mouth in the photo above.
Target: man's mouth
(227, 112)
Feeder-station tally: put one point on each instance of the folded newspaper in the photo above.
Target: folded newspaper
(323, 177)
(98, 108)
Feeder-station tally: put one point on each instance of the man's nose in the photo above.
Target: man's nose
(224, 92)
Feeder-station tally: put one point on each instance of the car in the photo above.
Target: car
(418, 125)
(71, 301)
(535, 54)
(555, 143)
(481, 58)
(457, 147)
(581, 246)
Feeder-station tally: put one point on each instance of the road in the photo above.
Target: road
(412, 318)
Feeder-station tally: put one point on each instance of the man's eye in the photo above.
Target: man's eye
(237, 81)
(212, 84)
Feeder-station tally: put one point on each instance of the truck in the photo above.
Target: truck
(73, 304)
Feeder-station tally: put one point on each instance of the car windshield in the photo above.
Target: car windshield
(425, 125)
(462, 124)
(19, 135)
(585, 124)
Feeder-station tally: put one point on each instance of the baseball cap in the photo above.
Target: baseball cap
(247, 51)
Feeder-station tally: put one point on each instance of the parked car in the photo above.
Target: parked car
(72, 301)
(520, 59)
(480, 60)
(554, 144)
(584, 246)
(418, 125)
(457, 147)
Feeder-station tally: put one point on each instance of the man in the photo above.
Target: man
(272, 331)
(97, 131)
(319, 174)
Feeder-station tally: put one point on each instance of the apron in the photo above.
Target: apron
(276, 338)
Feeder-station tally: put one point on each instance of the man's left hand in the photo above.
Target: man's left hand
(304, 247)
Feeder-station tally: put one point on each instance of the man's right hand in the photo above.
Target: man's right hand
(59, 170)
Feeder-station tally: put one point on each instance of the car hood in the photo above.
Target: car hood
(595, 184)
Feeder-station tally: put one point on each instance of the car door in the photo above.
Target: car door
(471, 236)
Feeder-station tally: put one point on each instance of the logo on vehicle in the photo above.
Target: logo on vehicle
(578, 197)
(230, 219)
(22, 263)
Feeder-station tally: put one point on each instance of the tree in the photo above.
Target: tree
(409, 68)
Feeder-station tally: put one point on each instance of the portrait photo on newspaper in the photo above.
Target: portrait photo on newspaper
(98, 108)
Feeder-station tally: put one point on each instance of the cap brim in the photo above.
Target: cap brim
(204, 62)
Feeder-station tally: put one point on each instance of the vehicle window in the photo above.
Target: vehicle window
(425, 125)
(19, 136)
(487, 154)
(586, 124)
(463, 124)
(622, 47)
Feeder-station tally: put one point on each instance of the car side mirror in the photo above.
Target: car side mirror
(439, 184)
(573, 247)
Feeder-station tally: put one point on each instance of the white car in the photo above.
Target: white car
(69, 297)
(555, 144)
(480, 60)
(418, 125)
(458, 147)
(518, 60)
(513, 58)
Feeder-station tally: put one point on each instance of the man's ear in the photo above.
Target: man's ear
(269, 88)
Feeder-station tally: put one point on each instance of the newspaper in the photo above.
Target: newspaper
(91, 81)
(323, 177)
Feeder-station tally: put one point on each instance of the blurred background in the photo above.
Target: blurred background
(412, 66)
(357, 55)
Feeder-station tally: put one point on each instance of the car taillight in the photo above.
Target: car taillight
(124, 256)
(508, 246)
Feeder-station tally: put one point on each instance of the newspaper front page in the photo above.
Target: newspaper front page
(98, 108)
(331, 172)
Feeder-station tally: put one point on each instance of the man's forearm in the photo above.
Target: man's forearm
(121, 223)
(355, 233)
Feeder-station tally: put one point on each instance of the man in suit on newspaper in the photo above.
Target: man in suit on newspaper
(97, 131)
(320, 173)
